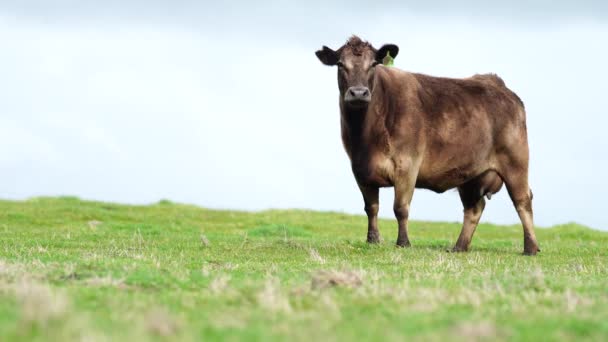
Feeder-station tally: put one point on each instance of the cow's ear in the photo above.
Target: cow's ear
(387, 48)
(327, 56)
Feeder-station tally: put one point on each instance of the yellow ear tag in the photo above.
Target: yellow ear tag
(388, 60)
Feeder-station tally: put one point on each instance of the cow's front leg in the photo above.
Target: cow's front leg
(370, 196)
(404, 190)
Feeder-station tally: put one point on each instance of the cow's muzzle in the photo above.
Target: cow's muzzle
(357, 96)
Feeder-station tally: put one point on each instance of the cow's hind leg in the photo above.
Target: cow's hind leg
(521, 195)
(471, 195)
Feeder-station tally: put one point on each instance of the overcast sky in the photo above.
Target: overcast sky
(226, 106)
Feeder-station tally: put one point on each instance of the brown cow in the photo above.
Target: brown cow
(410, 130)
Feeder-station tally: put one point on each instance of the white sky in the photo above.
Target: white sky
(228, 107)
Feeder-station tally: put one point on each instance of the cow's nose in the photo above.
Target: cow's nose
(357, 94)
(358, 91)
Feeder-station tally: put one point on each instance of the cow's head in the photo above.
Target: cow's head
(356, 61)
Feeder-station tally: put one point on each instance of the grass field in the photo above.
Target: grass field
(81, 270)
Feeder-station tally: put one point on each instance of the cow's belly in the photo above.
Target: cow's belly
(451, 160)
(442, 184)
(440, 177)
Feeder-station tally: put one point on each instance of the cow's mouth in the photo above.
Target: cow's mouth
(356, 103)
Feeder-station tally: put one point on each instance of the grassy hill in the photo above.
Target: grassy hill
(74, 270)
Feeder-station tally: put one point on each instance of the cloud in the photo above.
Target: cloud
(296, 18)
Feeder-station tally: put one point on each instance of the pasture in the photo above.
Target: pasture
(80, 270)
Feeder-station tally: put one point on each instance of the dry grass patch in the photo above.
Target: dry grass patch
(476, 331)
(315, 256)
(536, 279)
(574, 300)
(10, 271)
(229, 319)
(330, 278)
(204, 241)
(161, 323)
(219, 284)
(106, 281)
(93, 224)
(39, 304)
(273, 298)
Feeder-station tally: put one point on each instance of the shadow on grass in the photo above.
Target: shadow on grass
(428, 245)
(304, 241)
(442, 245)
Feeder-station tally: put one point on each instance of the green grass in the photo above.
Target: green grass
(73, 270)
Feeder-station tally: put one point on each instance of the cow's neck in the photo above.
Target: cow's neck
(366, 130)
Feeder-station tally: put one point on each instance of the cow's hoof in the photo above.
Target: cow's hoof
(531, 248)
(458, 249)
(403, 244)
(373, 240)
(531, 252)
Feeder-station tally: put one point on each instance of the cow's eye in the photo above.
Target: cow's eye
(340, 64)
